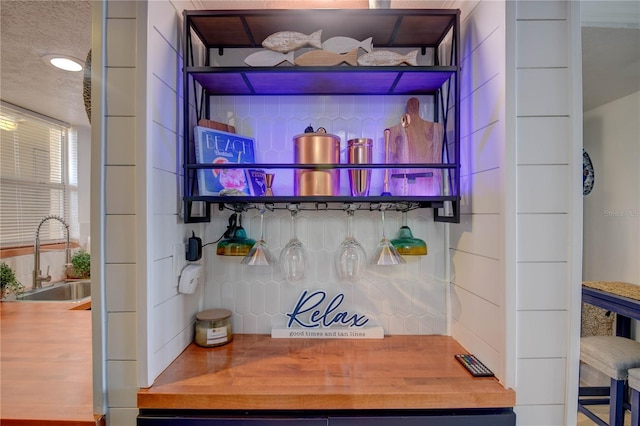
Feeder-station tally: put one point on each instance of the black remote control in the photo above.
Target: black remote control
(473, 365)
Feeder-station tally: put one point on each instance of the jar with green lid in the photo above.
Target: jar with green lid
(213, 328)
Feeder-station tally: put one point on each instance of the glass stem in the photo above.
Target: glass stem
(350, 224)
(262, 225)
(404, 218)
(294, 214)
(383, 234)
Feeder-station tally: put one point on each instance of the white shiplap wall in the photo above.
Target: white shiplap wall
(119, 210)
(477, 244)
(147, 322)
(513, 256)
(548, 209)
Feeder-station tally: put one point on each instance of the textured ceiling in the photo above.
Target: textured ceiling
(32, 29)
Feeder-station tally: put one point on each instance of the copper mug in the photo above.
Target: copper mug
(359, 151)
(316, 148)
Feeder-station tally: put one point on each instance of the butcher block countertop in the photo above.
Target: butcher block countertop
(45, 365)
(256, 372)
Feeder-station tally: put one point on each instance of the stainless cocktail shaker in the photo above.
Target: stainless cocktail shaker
(359, 151)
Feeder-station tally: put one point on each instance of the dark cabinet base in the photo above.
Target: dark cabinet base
(465, 417)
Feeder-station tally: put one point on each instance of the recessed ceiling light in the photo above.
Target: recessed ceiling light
(63, 62)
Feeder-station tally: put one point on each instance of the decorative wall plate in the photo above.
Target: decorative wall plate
(588, 176)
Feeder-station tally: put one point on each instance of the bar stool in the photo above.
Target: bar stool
(613, 356)
(634, 384)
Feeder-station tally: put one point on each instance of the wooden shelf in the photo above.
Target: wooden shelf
(340, 80)
(389, 28)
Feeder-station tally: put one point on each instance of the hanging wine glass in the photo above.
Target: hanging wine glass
(260, 255)
(350, 259)
(293, 257)
(386, 254)
(406, 243)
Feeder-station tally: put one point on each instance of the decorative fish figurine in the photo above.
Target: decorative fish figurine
(286, 41)
(347, 44)
(388, 58)
(268, 58)
(324, 58)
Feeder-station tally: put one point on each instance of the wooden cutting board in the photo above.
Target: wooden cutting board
(415, 140)
(216, 125)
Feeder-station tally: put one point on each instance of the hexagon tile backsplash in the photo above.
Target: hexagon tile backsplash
(404, 299)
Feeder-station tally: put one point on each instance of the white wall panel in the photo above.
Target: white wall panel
(164, 233)
(541, 286)
(478, 20)
(164, 148)
(167, 353)
(543, 238)
(120, 32)
(120, 285)
(123, 416)
(542, 334)
(478, 234)
(164, 193)
(163, 108)
(162, 52)
(120, 150)
(121, 243)
(121, 9)
(162, 281)
(467, 308)
(479, 275)
(482, 107)
(123, 386)
(543, 140)
(533, 9)
(478, 68)
(165, 24)
(544, 188)
(543, 92)
(540, 415)
(542, 44)
(122, 200)
(481, 192)
(121, 336)
(120, 86)
(612, 209)
(171, 318)
(475, 344)
(482, 149)
(541, 381)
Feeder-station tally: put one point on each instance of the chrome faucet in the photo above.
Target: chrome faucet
(38, 278)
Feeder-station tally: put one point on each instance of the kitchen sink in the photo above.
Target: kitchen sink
(71, 291)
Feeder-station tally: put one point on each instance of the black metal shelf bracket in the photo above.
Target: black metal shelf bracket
(441, 82)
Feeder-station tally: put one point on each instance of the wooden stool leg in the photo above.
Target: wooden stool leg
(635, 408)
(616, 400)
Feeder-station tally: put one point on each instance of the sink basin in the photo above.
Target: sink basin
(64, 292)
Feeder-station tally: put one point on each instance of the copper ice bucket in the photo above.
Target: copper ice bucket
(316, 148)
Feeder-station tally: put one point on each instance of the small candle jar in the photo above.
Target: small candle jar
(213, 328)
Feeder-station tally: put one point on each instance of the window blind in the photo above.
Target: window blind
(34, 177)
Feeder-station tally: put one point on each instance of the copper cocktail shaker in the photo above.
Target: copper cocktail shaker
(316, 148)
